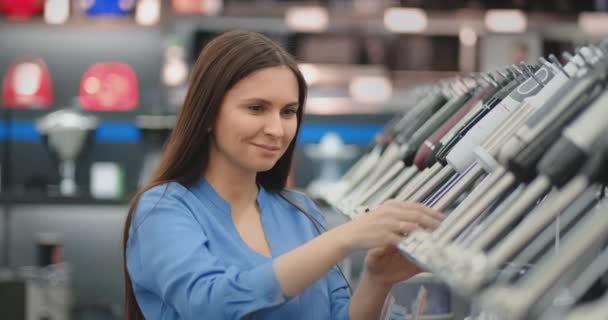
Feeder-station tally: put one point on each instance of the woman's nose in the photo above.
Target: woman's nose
(274, 125)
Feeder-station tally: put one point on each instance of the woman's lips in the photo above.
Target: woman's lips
(266, 147)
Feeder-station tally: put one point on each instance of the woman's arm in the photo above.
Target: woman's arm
(368, 299)
(385, 225)
(296, 271)
(301, 267)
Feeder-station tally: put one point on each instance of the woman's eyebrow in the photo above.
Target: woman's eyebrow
(257, 100)
(266, 102)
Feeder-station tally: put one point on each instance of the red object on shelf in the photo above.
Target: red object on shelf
(21, 9)
(210, 7)
(27, 85)
(109, 86)
(187, 6)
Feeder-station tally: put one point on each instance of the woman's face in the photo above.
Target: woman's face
(257, 120)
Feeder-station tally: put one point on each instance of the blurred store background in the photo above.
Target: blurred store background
(118, 71)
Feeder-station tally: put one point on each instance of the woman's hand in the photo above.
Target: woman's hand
(386, 266)
(388, 224)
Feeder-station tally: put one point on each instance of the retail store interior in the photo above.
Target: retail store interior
(492, 112)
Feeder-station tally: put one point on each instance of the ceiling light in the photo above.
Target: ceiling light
(404, 20)
(370, 89)
(508, 21)
(468, 36)
(593, 22)
(310, 72)
(307, 19)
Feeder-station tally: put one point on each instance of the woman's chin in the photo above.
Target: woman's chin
(263, 166)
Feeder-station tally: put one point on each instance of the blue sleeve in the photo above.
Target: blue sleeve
(340, 297)
(167, 254)
(338, 289)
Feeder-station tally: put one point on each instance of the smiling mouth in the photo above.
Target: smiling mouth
(267, 147)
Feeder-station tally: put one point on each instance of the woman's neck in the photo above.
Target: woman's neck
(238, 188)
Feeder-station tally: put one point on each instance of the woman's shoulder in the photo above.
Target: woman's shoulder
(302, 199)
(172, 196)
(172, 188)
(165, 192)
(297, 195)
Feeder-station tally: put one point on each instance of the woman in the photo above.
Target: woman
(211, 238)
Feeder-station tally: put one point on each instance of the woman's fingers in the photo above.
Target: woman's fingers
(395, 239)
(378, 252)
(416, 213)
(407, 227)
(427, 210)
(417, 217)
(425, 220)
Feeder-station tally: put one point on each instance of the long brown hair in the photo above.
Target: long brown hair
(224, 61)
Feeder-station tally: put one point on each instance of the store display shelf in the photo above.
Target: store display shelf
(82, 22)
(13, 198)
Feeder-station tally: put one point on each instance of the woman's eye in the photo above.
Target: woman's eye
(256, 108)
(290, 111)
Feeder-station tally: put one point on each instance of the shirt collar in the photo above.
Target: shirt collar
(209, 193)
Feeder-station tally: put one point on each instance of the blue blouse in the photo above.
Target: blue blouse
(187, 260)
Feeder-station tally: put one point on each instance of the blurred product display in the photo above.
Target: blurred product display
(518, 160)
(65, 132)
(109, 86)
(209, 7)
(20, 10)
(57, 11)
(422, 297)
(108, 7)
(27, 84)
(330, 151)
(36, 293)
